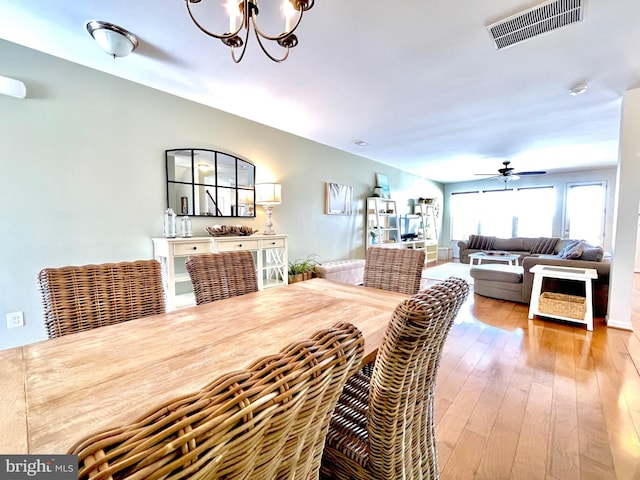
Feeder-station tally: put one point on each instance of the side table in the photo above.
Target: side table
(585, 275)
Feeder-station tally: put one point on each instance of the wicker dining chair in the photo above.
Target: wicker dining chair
(78, 298)
(383, 425)
(395, 269)
(268, 421)
(216, 276)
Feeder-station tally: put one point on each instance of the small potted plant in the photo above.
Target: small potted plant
(302, 269)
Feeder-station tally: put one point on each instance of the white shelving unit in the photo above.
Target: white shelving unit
(428, 214)
(416, 224)
(270, 255)
(428, 235)
(383, 223)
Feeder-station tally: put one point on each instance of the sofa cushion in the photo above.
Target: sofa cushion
(497, 273)
(528, 242)
(509, 244)
(545, 245)
(481, 242)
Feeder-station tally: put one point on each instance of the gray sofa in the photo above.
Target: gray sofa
(522, 246)
(511, 283)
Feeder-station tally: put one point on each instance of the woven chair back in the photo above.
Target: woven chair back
(216, 276)
(403, 381)
(265, 422)
(383, 427)
(395, 269)
(78, 298)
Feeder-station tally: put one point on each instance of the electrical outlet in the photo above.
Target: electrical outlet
(15, 319)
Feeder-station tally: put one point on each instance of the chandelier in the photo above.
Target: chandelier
(247, 12)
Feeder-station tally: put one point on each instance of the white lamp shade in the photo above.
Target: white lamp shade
(114, 40)
(268, 193)
(11, 87)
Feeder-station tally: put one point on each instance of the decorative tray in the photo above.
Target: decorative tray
(495, 252)
(230, 231)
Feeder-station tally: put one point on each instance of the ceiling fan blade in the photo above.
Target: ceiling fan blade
(539, 172)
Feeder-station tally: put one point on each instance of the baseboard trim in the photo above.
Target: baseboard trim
(617, 324)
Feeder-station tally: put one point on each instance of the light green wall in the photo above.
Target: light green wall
(83, 177)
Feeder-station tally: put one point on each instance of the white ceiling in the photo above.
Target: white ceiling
(419, 80)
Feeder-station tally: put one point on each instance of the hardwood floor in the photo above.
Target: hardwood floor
(520, 399)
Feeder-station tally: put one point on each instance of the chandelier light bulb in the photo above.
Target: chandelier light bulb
(238, 35)
(289, 12)
(234, 12)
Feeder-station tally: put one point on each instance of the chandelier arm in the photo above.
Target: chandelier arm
(244, 48)
(268, 54)
(207, 32)
(279, 36)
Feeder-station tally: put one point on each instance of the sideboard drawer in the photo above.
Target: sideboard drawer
(192, 248)
(273, 243)
(236, 244)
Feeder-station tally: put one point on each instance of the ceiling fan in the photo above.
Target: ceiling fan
(506, 174)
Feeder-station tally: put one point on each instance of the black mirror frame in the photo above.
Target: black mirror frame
(181, 207)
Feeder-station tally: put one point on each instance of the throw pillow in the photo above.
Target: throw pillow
(592, 254)
(575, 252)
(566, 248)
(545, 245)
(481, 242)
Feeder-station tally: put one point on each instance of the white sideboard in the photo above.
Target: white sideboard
(270, 254)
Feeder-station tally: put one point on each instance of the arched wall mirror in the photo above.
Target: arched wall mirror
(208, 183)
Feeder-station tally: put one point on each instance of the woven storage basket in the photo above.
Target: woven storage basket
(570, 306)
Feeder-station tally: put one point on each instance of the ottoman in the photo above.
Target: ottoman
(500, 281)
(345, 271)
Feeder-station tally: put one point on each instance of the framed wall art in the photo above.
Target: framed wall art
(339, 199)
(383, 182)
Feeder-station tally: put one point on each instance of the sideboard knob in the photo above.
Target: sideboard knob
(195, 248)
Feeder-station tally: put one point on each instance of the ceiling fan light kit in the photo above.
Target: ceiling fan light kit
(247, 11)
(506, 173)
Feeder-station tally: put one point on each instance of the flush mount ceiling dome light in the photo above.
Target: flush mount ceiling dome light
(114, 40)
(247, 12)
(578, 89)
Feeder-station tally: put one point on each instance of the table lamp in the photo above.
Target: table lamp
(268, 195)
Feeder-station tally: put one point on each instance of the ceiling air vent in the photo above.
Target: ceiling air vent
(536, 21)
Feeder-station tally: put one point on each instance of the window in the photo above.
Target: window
(464, 215)
(497, 213)
(585, 212)
(535, 207)
(526, 212)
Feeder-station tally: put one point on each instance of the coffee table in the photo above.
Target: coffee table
(509, 258)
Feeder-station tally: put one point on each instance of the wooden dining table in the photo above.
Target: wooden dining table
(55, 392)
